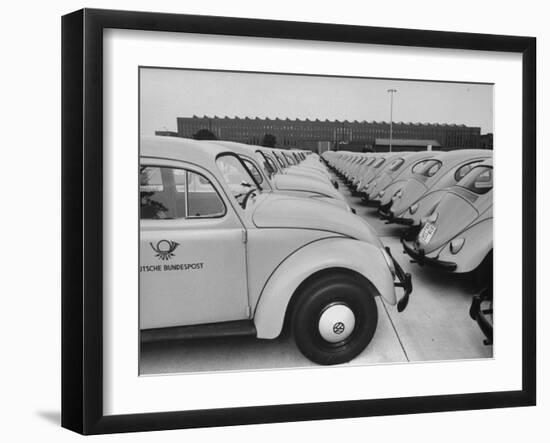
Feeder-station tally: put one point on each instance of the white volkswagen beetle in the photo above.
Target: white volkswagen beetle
(221, 256)
(299, 185)
(458, 233)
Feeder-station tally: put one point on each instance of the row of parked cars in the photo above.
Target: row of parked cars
(238, 239)
(445, 198)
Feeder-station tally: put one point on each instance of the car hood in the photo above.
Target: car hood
(299, 183)
(307, 174)
(282, 211)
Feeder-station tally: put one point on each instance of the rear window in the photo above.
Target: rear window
(396, 164)
(479, 180)
(430, 168)
(464, 169)
(418, 166)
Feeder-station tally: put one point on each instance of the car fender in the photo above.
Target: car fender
(347, 253)
(478, 243)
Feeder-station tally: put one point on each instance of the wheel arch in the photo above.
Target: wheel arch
(308, 264)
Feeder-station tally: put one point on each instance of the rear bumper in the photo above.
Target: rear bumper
(369, 202)
(404, 280)
(421, 259)
(481, 315)
(403, 221)
(384, 212)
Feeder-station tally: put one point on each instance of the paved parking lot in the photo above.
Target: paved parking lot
(435, 326)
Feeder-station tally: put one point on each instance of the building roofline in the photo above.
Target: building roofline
(336, 121)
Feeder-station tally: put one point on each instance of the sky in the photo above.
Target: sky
(170, 93)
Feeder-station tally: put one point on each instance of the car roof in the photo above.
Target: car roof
(459, 154)
(487, 162)
(176, 148)
(238, 148)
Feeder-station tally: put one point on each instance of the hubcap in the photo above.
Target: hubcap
(336, 322)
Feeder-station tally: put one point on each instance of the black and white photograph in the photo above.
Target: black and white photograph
(294, 221)
(279, 221)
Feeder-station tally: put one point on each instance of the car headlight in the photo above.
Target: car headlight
(456, 245)
(413, 208)
(389, 261)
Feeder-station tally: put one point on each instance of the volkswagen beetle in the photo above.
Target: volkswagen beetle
(376, 167)
(396, 170)
(457, 235)
(300, 185)
(415, 214)
(437, 172)
(221, 255)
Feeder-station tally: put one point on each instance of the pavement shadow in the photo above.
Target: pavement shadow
(53, 417)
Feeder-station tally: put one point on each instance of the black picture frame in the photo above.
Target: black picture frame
(82, 215)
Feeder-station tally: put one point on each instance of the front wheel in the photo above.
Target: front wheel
(334, 318)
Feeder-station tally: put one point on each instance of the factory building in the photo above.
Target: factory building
(349, 135)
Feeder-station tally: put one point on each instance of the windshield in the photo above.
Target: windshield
(280, 160)
(478, 180)
(238, 178)
(253, 169)
(289, 159)
(267, 163)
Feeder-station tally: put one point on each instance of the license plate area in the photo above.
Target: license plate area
(427, 232)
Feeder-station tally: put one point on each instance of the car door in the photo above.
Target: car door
(192, 250)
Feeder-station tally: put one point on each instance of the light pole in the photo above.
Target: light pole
(391, 91)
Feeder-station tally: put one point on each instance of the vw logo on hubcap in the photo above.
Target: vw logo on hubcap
(338, 328)
(336, 322)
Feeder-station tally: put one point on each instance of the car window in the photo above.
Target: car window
(281, 163)
(237, 177)
(266, 163)
(203, 200)
(155, 199)
(289, 159)
(479, 180)
(418, 166)
(171, 193)
(464, 169)
(253, 170)
(430, 168)
(396, 164)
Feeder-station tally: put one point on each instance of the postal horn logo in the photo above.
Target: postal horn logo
(164, 249)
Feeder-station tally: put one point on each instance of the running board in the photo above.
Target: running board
(236, 328)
